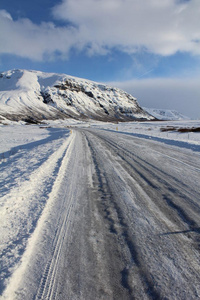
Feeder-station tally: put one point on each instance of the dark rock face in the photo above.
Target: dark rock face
(89, 94)
(46, 98)
(74, 87)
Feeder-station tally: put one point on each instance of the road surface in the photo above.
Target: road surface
(122, 222)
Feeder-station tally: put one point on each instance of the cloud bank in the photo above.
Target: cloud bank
(182, 95)
(37, 42)
(98, 26)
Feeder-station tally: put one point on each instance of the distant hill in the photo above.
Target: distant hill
(34, 96)
(165, 114)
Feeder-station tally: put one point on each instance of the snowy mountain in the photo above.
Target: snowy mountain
(35, 96)
(165, 114)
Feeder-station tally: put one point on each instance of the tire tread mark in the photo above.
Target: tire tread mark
(125, 233)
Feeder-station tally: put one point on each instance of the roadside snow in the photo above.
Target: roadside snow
(16, 135)
(30, 159)
(154, 130)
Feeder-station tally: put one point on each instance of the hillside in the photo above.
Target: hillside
(34, 96)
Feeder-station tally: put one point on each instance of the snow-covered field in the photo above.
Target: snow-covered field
(14, 136)
(154, 130)
(33, 162)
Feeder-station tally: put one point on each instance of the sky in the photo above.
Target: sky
(150, 48)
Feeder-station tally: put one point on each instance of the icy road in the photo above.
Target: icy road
(101, 215)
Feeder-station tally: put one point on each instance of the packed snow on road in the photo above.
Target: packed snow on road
(100, 210)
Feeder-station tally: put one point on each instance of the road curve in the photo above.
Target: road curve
(126, 224)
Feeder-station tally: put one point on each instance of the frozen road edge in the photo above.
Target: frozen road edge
(38, 242)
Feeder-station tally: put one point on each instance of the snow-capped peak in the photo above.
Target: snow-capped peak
(166, 114)
(39, 95)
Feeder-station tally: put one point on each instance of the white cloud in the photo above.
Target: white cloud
(4, 14)
(182, 95)
(158, 26)
(26, 39)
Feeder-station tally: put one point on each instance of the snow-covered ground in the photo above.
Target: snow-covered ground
(155, 130)
(14, 136)
(30, 159)
(33, 162)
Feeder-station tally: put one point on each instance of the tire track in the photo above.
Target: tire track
(113, 228)
(120, 221)
(44, 226)
(23, 207)
(49, 288)
(143, 258)
(163, 185)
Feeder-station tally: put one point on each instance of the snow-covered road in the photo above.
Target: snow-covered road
(97, 214)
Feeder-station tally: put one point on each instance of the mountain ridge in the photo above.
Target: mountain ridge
(36, 95)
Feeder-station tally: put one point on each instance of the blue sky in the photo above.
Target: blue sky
(150, 48)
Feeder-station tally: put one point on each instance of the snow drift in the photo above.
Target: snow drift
(34, 96)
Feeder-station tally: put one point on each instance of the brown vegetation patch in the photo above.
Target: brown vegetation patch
(181, 129)
(168, 128)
